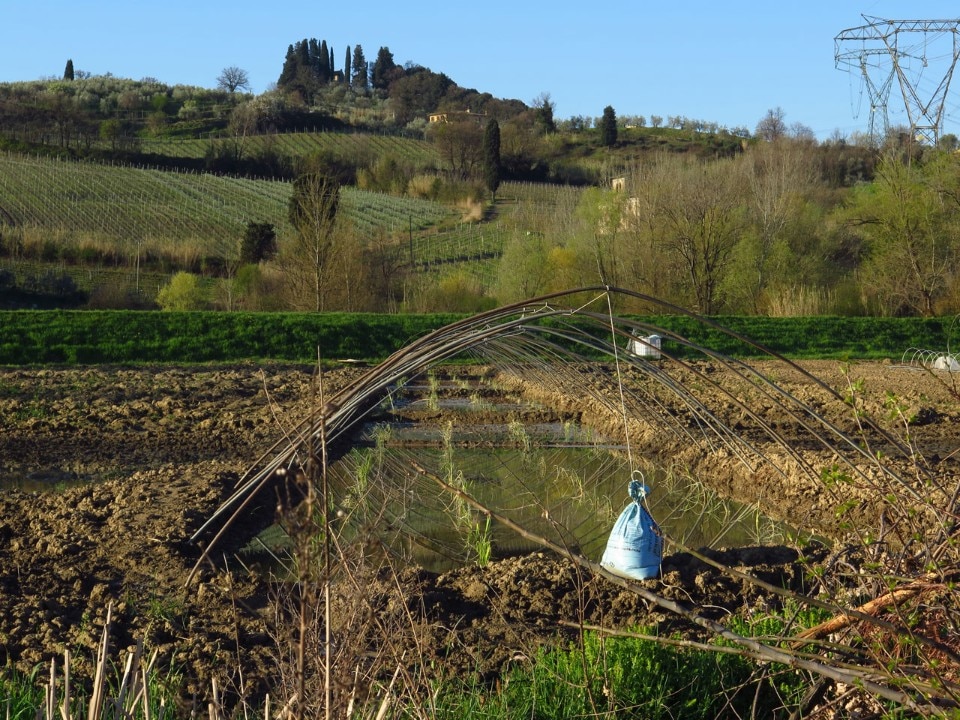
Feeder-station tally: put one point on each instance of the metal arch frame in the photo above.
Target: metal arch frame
(514, 335)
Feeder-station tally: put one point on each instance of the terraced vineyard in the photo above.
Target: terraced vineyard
(462, 244)
(417, 153)
(195, 215)
(128, 205)
(544, 194)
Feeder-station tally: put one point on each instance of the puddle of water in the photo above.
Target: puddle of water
(499, 434)
(43, 480)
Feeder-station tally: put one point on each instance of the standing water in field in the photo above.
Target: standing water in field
(404, 467)
(545, 472)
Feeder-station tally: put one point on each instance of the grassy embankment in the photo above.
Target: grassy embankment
(92, 337)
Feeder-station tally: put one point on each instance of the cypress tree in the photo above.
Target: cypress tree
(302, 49)
(68, 71)
(608, 127)
(332, 67)
(383, 68)
(315, 63)
(323, 69)
(491, 156)
(346, 67)
(360, 78)
(289, 71)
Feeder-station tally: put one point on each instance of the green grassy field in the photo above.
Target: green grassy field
(32, 337)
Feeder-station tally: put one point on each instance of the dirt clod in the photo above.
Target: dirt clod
(118, 467)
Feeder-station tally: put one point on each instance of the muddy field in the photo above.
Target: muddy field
(110, 470)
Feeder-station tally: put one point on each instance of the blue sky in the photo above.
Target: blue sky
(727, 62)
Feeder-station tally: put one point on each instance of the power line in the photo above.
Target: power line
(920, 54)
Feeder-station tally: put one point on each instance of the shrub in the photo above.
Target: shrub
(183, 292)
(426, 187)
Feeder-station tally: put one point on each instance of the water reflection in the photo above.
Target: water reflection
(536, 466)
(559, 481)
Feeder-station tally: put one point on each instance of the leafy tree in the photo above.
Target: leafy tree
(360, 77)
(111, 130)
(233, 78)
(523, 268)
(418, 93)
(608, 127)
(909, 219)
(457, 292)
(543, 112)
(460, 144)
(491, 156)
(240, 290)
(68, 73)
(384, 69)
(259, 243)
(600, 246)
(183, 292)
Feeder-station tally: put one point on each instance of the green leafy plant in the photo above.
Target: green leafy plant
(480, 541)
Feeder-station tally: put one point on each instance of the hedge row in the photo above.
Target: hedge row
(42, 337)
(32, 337)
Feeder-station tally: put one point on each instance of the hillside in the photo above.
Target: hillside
(111, 191)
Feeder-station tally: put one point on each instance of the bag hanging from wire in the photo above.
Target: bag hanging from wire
(635, 546)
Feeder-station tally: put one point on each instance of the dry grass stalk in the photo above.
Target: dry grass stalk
(132, 697)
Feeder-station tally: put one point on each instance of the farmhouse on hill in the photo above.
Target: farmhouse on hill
(449, 116)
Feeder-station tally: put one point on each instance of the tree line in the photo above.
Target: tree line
(763, 232)
(760, 233)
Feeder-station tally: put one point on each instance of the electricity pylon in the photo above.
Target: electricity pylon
(921, 54)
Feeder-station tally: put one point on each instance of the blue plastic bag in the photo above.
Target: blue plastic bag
(635, 547)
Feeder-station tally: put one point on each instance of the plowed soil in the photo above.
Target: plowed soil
(110, 470)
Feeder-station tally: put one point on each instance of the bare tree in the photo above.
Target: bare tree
(693, 212)
(772, 126)
(233, 78)
(780, 176)
(309, 256)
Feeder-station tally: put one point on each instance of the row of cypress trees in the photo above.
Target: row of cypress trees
(314, 60)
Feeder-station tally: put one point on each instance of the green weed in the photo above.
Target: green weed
(480, 541)
(617, 677)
